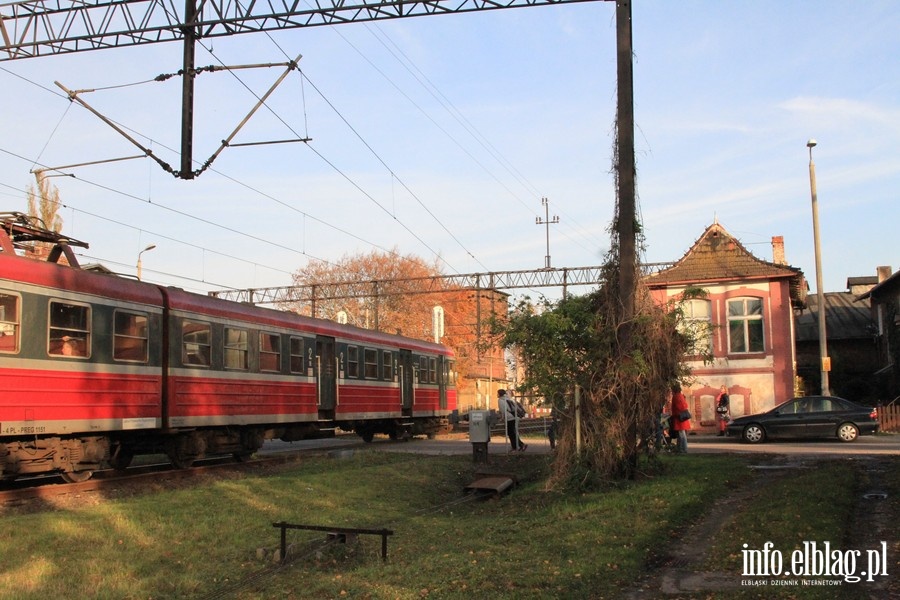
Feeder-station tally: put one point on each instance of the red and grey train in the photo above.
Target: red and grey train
(97, 368)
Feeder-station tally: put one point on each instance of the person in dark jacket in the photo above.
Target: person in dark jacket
(723, 410)
(509, 411)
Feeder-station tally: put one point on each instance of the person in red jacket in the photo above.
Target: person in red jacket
(680, 410)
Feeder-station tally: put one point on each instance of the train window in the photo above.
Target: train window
(9, 323)
(236, 348)
(432, 370)
(296, 355)
(269, 352)
(371, 357)
(387, 366)
(196, 344)
(130, 336)
(70, 330)
(352, 361)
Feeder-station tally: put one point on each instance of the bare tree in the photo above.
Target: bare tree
(44, 203)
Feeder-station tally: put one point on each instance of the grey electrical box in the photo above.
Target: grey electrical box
(479, 426)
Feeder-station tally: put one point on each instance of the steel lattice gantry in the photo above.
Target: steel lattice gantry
(43, 27)
(500, 280)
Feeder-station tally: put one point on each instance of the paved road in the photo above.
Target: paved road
(882, 444)
(867, 445)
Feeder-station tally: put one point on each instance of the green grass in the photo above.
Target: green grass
(198, 541)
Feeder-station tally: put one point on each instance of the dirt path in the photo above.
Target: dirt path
(679, 572)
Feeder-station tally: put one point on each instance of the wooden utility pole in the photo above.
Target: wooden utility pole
(625, 220)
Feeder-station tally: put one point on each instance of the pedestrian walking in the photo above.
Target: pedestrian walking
(681, 417)
(723, 410)
(511, 411)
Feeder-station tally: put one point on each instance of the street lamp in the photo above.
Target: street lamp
(820, 293)
(147, 249)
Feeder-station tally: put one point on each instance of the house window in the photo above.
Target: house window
(697, 325)
(745, 325)
(195, 349)
(269, 352)
(352, 361)
(9, 323)
(70, 329)
(371, 357)
(296, 355)
(236, 349)
(131, 336)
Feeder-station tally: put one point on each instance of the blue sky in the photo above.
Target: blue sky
(438, 136)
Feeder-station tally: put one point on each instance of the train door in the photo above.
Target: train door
(443, 380)
(326, 376)
(407, 383)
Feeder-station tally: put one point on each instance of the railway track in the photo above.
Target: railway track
(51, 489)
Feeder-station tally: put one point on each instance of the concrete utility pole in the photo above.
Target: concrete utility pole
(546, 222)
(820, 292)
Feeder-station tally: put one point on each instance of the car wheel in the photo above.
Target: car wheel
(754, 434)
(847, 432)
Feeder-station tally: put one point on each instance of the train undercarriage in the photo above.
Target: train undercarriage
(76, 458)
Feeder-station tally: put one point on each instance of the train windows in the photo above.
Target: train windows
(432, 370)
(352, 361)
(236, 348)
(371, 357)
(448, 375)
(196, 344)
(387, 366)
(70, 329)
(269, 352)
(9, 323)
(297, 355)
(130, 336)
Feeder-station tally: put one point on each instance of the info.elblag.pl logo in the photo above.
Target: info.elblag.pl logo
(814, 560)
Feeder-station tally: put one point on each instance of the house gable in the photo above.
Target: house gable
(717, 257)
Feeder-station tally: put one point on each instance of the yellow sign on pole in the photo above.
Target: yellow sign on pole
(826, 363)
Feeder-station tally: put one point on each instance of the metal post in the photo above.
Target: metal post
(820, 292)
(139, 263)
(189, 31)
(577, 420)
(546, 222)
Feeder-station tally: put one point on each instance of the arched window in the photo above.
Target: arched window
(745, 325)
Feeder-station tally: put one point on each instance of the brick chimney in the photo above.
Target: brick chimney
(883, 273)
(778, 250)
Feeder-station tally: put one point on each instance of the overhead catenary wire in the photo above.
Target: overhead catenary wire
(304, 80)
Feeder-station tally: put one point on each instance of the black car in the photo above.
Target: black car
(809, 416)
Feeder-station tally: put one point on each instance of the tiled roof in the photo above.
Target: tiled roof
(718, 256)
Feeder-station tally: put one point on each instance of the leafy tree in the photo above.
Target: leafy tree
(578, 342)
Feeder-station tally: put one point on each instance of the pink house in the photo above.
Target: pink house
(747, 316)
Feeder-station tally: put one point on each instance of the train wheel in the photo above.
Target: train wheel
(367, 436)
(121, 458)
(185, 449)
(181, 461)
(76, 476)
